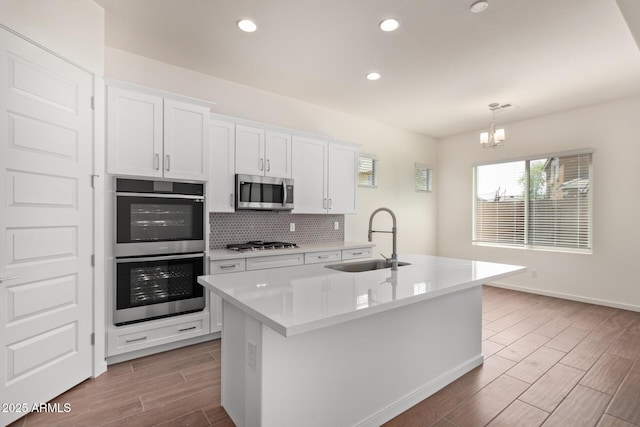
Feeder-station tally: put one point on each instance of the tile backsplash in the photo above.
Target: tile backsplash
(240, 227)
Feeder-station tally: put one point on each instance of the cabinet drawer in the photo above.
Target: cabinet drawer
(259, 263)
(318, 257)
(356, 253)
(227, 266)
(140, 336)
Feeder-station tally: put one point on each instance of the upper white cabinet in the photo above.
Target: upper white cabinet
(156, 135)
(262, 152)
(222, 135)
(342, 179)
(324, 175)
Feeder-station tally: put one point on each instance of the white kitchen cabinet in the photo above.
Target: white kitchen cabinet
(309, 170)
(124, 339)
(153, 134)
(216, 312)
(262, 152)
(342, 179)
(222, 135)
(324, 175)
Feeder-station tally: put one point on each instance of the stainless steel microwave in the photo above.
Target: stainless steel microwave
(263, 193)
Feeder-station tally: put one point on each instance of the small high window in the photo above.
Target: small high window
(367, 170)
(424, 179)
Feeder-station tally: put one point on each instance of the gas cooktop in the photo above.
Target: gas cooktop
(259, 245)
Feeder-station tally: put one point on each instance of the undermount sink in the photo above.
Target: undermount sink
(358, 267)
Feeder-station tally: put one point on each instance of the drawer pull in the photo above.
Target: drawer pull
(228, 266)
(323, 256)
(186, 329)
(356, 253)
(136, 339)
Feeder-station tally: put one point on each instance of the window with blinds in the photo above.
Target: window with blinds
(539, 202)
(423, 177)
(367, 171)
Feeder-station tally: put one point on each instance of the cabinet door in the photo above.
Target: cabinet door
(309, 169)
(249, 150)
(134, 133)
(186, 141)
(342, 179)
(277, 153)
(222, 137)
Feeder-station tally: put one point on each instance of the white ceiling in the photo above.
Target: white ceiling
(440, 69)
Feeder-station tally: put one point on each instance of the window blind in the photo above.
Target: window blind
(367, 171)
(543, 202)
(423, 177)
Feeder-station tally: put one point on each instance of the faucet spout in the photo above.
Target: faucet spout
(394, 255)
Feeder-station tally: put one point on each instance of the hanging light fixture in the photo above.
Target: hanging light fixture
(495, 137)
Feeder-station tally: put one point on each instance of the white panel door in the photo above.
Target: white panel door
(186, 141)
(309, 169)
(134, 133)
(46, 215)
(222, 166)
(342, 179)
(249, 150)
(277, 152)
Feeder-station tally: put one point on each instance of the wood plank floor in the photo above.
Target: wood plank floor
(548, 362)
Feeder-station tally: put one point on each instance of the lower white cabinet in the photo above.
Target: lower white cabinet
(216, 312)
(274, 261)
(320, 257)
(138, 336)
(227, 266)
(355, 253)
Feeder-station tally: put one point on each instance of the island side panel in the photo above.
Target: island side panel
(241, 366)
(366, 371)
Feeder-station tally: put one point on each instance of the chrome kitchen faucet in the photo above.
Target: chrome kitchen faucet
(394, 254)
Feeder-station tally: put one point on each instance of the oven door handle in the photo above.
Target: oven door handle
(161, 196)
(157, 258)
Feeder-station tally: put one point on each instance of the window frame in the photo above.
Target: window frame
(526, 245)
(429, 180)
(374, 170)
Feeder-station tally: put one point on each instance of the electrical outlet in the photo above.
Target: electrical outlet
(252, 354)
(336, 225)
(292, 226)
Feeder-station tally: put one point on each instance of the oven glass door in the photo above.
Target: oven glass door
(152, 287)
(143, 222)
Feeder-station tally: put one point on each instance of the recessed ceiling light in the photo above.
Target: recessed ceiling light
(479, 6)
(373, 76)
(247, 25)
(389, 24)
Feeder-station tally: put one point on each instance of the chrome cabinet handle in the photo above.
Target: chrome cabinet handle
(268, 165)
(330, 203)
(324, 203)
(227, 266)
(186, 329)
(156, 161)
(4, 279)
(137, 339)
(261, 164)
(167, 161)
(356, 253)
(231, 199)
(323, 256)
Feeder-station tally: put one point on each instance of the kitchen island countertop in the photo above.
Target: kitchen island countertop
(299, 299)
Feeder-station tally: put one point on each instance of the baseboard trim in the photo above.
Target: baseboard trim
(570, 297)
(421, 393)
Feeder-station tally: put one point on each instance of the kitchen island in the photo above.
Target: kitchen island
(309, 345)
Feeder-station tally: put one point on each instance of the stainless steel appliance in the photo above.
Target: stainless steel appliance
(159, 249)
(263, 193)
(158, 286)
(158, 217)
(259, 245)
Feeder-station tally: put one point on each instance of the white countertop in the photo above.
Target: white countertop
(222, 254)
(294, 300)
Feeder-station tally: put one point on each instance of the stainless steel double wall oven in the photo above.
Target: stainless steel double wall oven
(159, 249)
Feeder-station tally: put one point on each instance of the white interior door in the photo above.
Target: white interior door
(46, 151)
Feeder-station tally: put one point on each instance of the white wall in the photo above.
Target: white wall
(397, 149)
(73, 29)
(608, 275)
